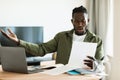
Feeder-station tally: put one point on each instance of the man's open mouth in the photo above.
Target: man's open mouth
(79, 29)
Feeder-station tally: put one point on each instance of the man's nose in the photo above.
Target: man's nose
(80, 24)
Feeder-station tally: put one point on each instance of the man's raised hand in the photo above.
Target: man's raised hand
(10, 35)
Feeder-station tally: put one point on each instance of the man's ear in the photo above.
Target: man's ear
(71, 20)
(88, 20)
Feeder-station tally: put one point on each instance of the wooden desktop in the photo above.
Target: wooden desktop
(39, 76)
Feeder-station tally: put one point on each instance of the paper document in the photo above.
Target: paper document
(78, 53)
(60, 70)
(52, 66)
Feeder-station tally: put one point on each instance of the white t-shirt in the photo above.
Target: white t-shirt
(78, 38)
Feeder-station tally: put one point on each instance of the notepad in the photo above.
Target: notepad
(73, 72)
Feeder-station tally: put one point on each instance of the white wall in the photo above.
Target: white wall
(115, 75)
(54, 15)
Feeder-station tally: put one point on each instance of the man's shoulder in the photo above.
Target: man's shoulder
(93, 35)
(65, 32)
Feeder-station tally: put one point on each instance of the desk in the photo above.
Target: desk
(39, 76)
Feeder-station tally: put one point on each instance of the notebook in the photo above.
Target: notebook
(13, 59)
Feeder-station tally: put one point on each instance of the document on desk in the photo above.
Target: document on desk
(78, 53)
(60, 70)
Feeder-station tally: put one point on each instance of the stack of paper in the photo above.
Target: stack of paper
(79, 52)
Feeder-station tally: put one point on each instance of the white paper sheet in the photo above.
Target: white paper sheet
(78, 53)
(60, 70)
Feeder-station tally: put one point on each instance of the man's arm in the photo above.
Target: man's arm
(35, 49)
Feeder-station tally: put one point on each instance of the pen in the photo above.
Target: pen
(97, 63)
(92, 58)
(102, 58)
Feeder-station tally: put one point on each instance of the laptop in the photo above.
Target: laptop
(13, 59)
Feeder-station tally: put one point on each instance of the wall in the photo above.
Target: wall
(115, 75)
(53, 15)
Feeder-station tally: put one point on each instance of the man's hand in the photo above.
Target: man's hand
(89, 61)
(10, 35)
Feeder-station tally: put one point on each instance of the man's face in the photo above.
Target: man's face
(80, 22)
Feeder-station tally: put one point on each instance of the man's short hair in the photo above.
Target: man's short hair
(79, 9)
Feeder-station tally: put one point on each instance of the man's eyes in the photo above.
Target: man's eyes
(79, 21)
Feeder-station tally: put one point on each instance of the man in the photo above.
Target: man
(62, 42)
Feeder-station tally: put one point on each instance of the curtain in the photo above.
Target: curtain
(101, 23)
(100, 14)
